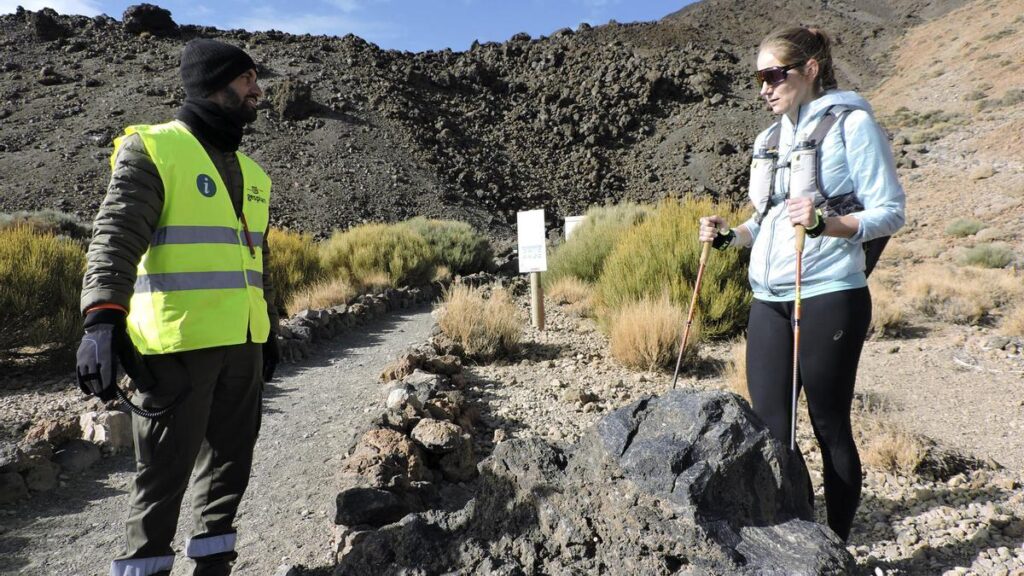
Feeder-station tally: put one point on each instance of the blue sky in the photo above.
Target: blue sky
(400, 24)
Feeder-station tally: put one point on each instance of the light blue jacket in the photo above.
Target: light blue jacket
(855, 155)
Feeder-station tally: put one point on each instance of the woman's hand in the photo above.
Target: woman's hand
(709, 226)
(801, 212)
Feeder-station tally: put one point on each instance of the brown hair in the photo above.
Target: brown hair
(799, 44)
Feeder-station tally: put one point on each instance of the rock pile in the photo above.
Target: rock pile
(688, 480)
(419, 447)
(51, 449)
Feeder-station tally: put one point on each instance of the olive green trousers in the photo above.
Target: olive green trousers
(212, 432)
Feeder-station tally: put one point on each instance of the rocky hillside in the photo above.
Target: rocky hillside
(351, 133)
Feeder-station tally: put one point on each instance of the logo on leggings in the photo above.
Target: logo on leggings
(837, 335)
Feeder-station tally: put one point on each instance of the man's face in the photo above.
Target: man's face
(240, 97)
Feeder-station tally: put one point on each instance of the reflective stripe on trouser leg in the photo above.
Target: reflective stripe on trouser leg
(141, 566)
(209, 545)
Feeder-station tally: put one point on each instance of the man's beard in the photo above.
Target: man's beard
(234, 106)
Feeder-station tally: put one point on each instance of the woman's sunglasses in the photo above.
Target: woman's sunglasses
(776, 74)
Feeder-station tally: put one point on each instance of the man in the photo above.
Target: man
(177, 272)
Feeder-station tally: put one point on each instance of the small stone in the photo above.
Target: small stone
(500, 435)
(436, 436)
(77, 455)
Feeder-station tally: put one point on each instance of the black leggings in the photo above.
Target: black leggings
(832, 331)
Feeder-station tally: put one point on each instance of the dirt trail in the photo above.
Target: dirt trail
(311, 415)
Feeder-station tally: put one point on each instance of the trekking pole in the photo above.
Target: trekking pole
(796, 331)
(693, 306)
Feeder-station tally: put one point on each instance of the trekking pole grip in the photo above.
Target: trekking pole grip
(801, 233)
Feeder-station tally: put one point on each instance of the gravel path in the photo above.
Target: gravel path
(311, 416)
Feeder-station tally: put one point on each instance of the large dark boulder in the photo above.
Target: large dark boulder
(687, 481)
(149, 18)
(45, 25)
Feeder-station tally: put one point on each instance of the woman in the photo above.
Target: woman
(845, 193)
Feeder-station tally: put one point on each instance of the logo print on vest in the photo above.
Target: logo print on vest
(206, 185)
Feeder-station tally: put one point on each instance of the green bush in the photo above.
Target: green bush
(369, 251)
(294, 264)
(40, 284)
(662, 255)
(48, 221)
(962, 227)
(996, 255)
(583, 255)
(456, 245)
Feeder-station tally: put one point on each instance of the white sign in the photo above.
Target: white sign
(571, 222)
(532, 241)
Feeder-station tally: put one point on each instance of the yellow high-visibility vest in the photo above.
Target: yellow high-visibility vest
(200, 283)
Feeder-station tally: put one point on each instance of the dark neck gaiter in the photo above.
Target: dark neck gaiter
(210, 123)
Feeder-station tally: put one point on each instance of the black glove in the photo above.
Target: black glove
(97, 362)
(271, 357)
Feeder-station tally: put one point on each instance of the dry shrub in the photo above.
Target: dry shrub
(375, 283)
(645, 335)
(583, 255)
(323, 294)
(40, 284)
(893, 450)
(373, 249)
(485, 327)
(294, 265)
(736, 370)
(1013, 323)
(962, 227)
(48, 221)
(576, 295)
(663, 253)
(995, 255)
(887, 310)
(442, 274)
(961, 296)
(456, 245)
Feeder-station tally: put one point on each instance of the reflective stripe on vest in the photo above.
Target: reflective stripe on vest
(199, 285)
(202, 235)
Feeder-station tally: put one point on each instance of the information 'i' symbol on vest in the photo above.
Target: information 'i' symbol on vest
(206, 185)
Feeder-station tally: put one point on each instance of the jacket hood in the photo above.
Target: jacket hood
(817, 107)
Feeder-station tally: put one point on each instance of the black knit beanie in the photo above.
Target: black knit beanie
(209, 65)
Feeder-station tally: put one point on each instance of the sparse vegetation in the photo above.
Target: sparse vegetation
(373, 249)
(962, 227)
(662, 255)
(48, 221)
(736, 370)
(486, 328)
(456, 245)
(1013, 323)
(293, 266)
(921, 127)
(895, 451)
(645, 334)
(960, 296)
(40, 282)
(583, 256)
(1004, 33)
(887, 310)
(576, 295)
(323, 294)
(974, 95)
(995, 255)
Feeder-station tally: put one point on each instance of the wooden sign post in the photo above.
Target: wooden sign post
(533, 259)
